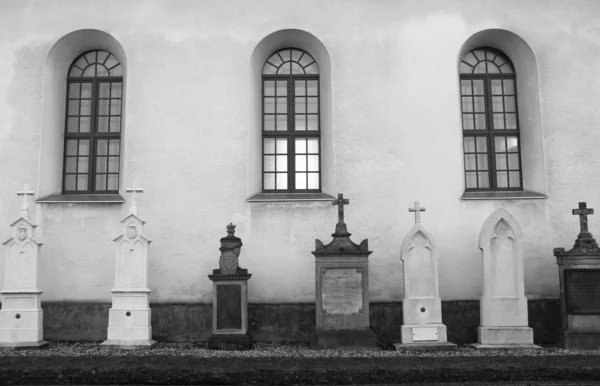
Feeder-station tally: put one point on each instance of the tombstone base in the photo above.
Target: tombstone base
(423, 333)
(229, 342)
(505, 336)
(23, 345)
(426, 346)
(343, 339)
(113, 344)
(480, 346)
(579, 340)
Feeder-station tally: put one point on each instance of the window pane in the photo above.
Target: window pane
(269, 145)
(499, 121)
(478, 87)
(115, 107)
(502, 179)
(85, 124)
(282, 181)
(104, 90)
(500, 161)
(313, 163)
(480, 68)
(115, 90)
(103, 107)
(282, 105)
(300, 180)
(70, 182)
(270, 105)
(465, 87)
(74, 90)
(82, 182)
(101, 182)
(467, 105)
(497, 105)
(500, 144)
(300, 163)
(482, 162)
(313, 105)
(115, 124)
(313, 180)
(496, 87)
(113, 182)
(71, 147)
(301, 146)
(479, 104)
(73, 108)
(469, 143)
(470, 162)
(300, 122)
(480, 122)
(269, 181)
(282, 163)
(313, 145)
(464, 68)
(113, 147)
(113, 164)
(300, 87)
(82, 165)
(72, 124)
(86, 107)
(71, 165)
(102, 147)
(101, 164)
(269, 163)
(513, 161)
(282, 122)
(509, 87)
(471, 179)
(514, 179)
(89, 72)
(86, 90)
(312, 87)
(84, 147)
(312, 122)
(484, 179)
(468, 123)
(481, 144)
(511, 121)
(281, 146)
(102, 124)
(297, 69)
(509, 104)
(269, 88)
(101, 70)
(269, 121)
(281, 88)
(300, 105)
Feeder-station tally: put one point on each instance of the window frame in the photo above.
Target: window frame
(490, 132)
(290, 134)
(93, 135)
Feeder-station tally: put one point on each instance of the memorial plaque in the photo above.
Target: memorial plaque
(424, 334)
(582, 291)
(342, 291)
(229, 310)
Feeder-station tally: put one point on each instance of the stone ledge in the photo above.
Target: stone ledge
(24, 345)
(289, 197)
(82, 198)
(502, 195)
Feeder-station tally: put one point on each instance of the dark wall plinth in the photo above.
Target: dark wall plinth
(281, 322)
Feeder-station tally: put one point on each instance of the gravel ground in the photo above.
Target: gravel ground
(278, 350)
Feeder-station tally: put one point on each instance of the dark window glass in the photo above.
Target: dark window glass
(490, 121)
(93, 124)
(291, 123)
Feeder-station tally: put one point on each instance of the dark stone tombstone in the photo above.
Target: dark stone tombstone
(579, 276)
(342, 290)
(230, 298)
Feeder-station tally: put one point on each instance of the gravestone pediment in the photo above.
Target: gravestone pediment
(499, 223)
(132, 230)
(23, 233)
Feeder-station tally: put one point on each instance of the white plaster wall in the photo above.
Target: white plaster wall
(396, 138)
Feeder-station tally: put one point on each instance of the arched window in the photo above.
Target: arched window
(490, 121)
(93, 124)
(291, 122)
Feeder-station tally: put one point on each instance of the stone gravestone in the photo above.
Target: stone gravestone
(230, 298)
(503, 305)
(421, 306)
(579, 278)
(21, 316)
(129, 319)
(342, 289)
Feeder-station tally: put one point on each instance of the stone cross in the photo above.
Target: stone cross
(25, 208)
(417, 209)
(583, 211)
(133, 191)
(340, 202)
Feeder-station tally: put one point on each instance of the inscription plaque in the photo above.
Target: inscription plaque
(582, 291)
(229, 306)
(424, 334)
(342, 291)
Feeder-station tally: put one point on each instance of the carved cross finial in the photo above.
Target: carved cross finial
(133, 191)
(417, 209)
(583, 212)
(25, 208)
(230, 229)
(340, 202)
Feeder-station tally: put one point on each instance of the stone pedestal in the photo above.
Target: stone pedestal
(21, 316)
(421, 307)
(503, 305)
(129, 318)
(342, 289)
(230, 298)
(579, 276)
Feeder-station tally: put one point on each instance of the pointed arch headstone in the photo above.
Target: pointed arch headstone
(503, 305)
(421, 306)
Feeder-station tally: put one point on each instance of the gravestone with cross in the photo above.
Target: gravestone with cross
(503, 305)
(129, 318)
(230, 298)
(342, 289)
(579, 278)
(421, 306)
(21, 316)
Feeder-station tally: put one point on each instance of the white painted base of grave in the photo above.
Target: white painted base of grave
(505, 337)
(21, 320)
(129, 321)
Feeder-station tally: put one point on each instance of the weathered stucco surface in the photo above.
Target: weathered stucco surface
(395, 138)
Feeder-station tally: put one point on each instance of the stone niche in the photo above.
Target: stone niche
(579, 278)
(342, 289)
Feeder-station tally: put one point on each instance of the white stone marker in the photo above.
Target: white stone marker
(21, 316)
(503, 305)
(421, 306)
(129, 319)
